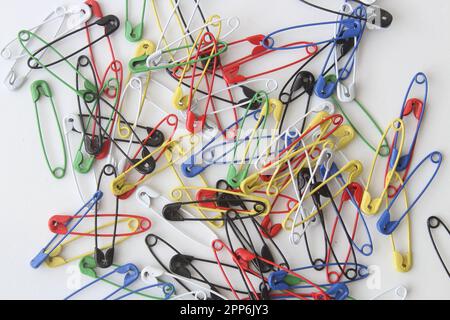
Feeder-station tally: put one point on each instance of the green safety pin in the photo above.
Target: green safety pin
(385, 150)
(87, 267)
(25, 36)
(140, 65)
(134, 34)
(39, 89)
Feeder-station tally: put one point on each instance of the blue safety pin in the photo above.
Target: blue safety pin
(167, 288)
(276, 279)
(367, 248)
(384, 224)
(130, 271)
(190, 169)
(351, 29)
(85, 209)
(325, 88)
(411, 106)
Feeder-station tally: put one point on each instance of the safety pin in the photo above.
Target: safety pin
(385, 225)
(134, 33)
(130, 274)
(179, 263)
(110, 23)
(231, 71)
(13, 81)
(352, 168)
(346, 93)
(434, 222)
(44, 254)
(416, 107)
(56, 259)
(146, 196)
(69, 127)
(136, 84)
(87, 267)
(377, 19)
(151, 275)
(402, 262)
(324, 89)
(400, 293)
(143, 224)
(235, 175)
(41, 89)
(369, 205)
(353, 28)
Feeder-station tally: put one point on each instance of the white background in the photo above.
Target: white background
(417, 41)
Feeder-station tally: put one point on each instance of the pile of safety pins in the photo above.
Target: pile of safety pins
(283, 176)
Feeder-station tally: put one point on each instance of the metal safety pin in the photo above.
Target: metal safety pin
(41, 89)
(146, 196)
(12, 80)
(385, 225)
(44, 254)
(369, 205)
(69, 125)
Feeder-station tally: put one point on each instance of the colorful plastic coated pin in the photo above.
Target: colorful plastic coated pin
(41, 89)
(134, 33)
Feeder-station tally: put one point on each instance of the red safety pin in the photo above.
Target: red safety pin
(231, 71)
(219, 245)
(246, 257)
(58, 225)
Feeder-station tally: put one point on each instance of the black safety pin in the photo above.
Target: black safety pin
(110, 23)
(155, 141)
(385, 19)
(178, 261)
(434, 223)
(105, 259)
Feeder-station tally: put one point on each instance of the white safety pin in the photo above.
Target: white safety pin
(400, 293)
(150, 275)
(146, 196)
(13, 80)
(70, 125)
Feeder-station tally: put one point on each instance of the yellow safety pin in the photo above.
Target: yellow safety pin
(177, 194)
(353, 169)
(402, 262)
(55, 259)
(370, 205)
(120, 185)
